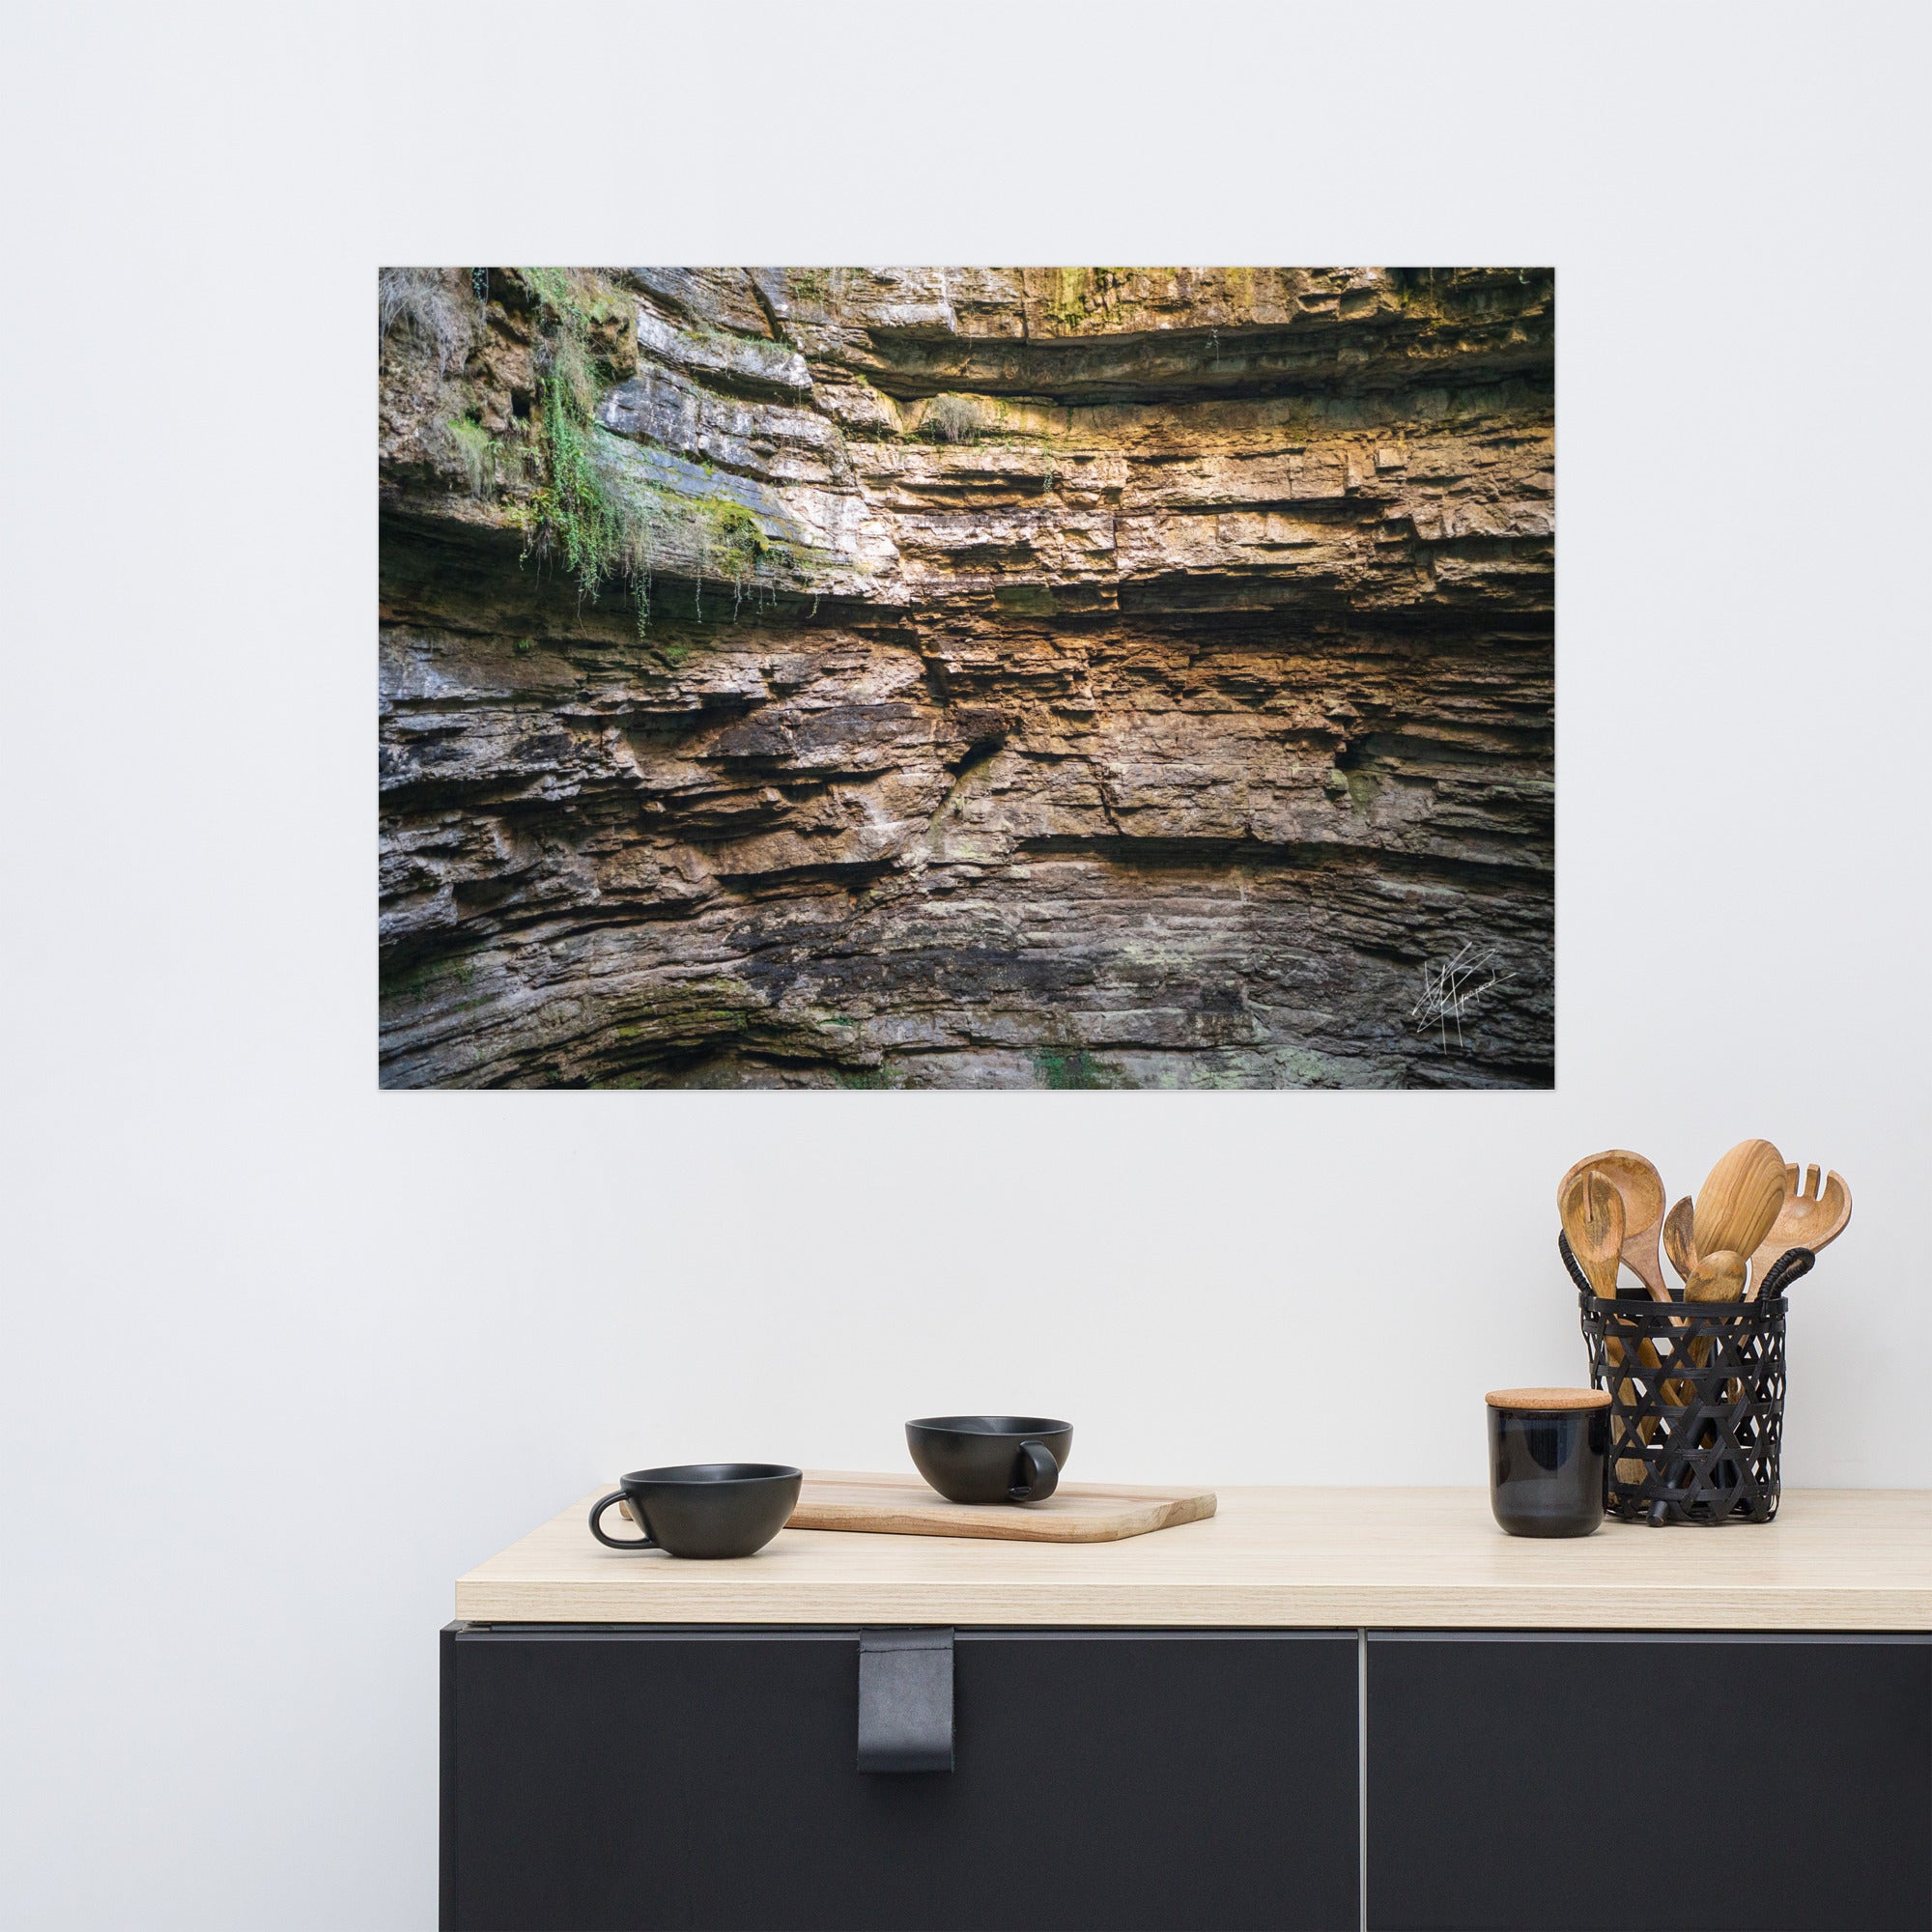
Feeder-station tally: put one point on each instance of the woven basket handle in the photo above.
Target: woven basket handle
(1575, 1266)
(1788, 1267)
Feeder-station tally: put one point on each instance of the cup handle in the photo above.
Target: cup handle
(597, 1510)
(1041, 1474)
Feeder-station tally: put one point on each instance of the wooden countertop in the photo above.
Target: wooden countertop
(1834, 1559)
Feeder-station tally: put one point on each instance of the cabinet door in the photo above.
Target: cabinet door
(1617, 1783)
(602, 1778)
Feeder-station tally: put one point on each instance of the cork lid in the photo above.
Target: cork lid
(1548, 1400)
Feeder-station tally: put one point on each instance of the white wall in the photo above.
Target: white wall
(283, 1354)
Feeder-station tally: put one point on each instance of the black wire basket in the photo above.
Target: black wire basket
(1696, 1399)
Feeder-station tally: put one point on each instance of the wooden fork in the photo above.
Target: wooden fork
(1808, 1217)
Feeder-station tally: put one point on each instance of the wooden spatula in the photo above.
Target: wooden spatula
(1736, 1207)
(1716, 1277)
(1738, 1199)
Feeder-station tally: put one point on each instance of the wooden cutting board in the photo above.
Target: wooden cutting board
(1075, 1513)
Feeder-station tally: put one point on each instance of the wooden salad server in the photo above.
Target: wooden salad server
(1808, 1217)
(1592, 1211)
(1641, 1187)
(1593, 1218)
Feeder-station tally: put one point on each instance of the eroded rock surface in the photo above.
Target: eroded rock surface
(1138, 677)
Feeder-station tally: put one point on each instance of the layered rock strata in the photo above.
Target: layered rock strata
(1049, 678)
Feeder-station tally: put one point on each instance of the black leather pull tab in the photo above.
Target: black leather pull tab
(905, 1700)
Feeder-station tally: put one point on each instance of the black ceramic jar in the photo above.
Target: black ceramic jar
(1548, 1457)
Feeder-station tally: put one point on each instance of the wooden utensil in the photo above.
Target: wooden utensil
(1628, 1470)
(1593, 1218)
(1593, 1222)
(1680, 1244)
(1716, 1277)
(1740, 1200)
(1807, 1218)
(1680, 1241)
(1641, 1187)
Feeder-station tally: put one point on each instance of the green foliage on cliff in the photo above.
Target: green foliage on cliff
(573, 520)
(732, 542)
(1066, 1069)
(588, 518)
(476, 450)
(1067, 295)
(577, 519)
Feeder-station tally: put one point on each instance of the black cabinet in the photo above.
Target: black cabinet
(604, 1777)
(607, 1776)
(1578, 1782)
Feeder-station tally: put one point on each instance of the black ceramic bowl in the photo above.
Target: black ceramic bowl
(703, 1509)
(990, 1458)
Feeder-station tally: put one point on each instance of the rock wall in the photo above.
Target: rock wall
(1132, 678)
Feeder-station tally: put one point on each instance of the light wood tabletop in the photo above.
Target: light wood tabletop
(1834, 1559)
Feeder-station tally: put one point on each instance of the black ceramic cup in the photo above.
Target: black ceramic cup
(703, 1509)
(990, 1458)
(1548, 1457)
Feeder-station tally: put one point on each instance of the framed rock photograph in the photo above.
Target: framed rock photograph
(967, 677)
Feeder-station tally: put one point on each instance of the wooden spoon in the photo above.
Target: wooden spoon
(1642, 1190)
(1593, 1218)
(1807, 1218)
(1740, 1200)
(1716, 1277)
(1680, 1244)
(1680, 1241)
